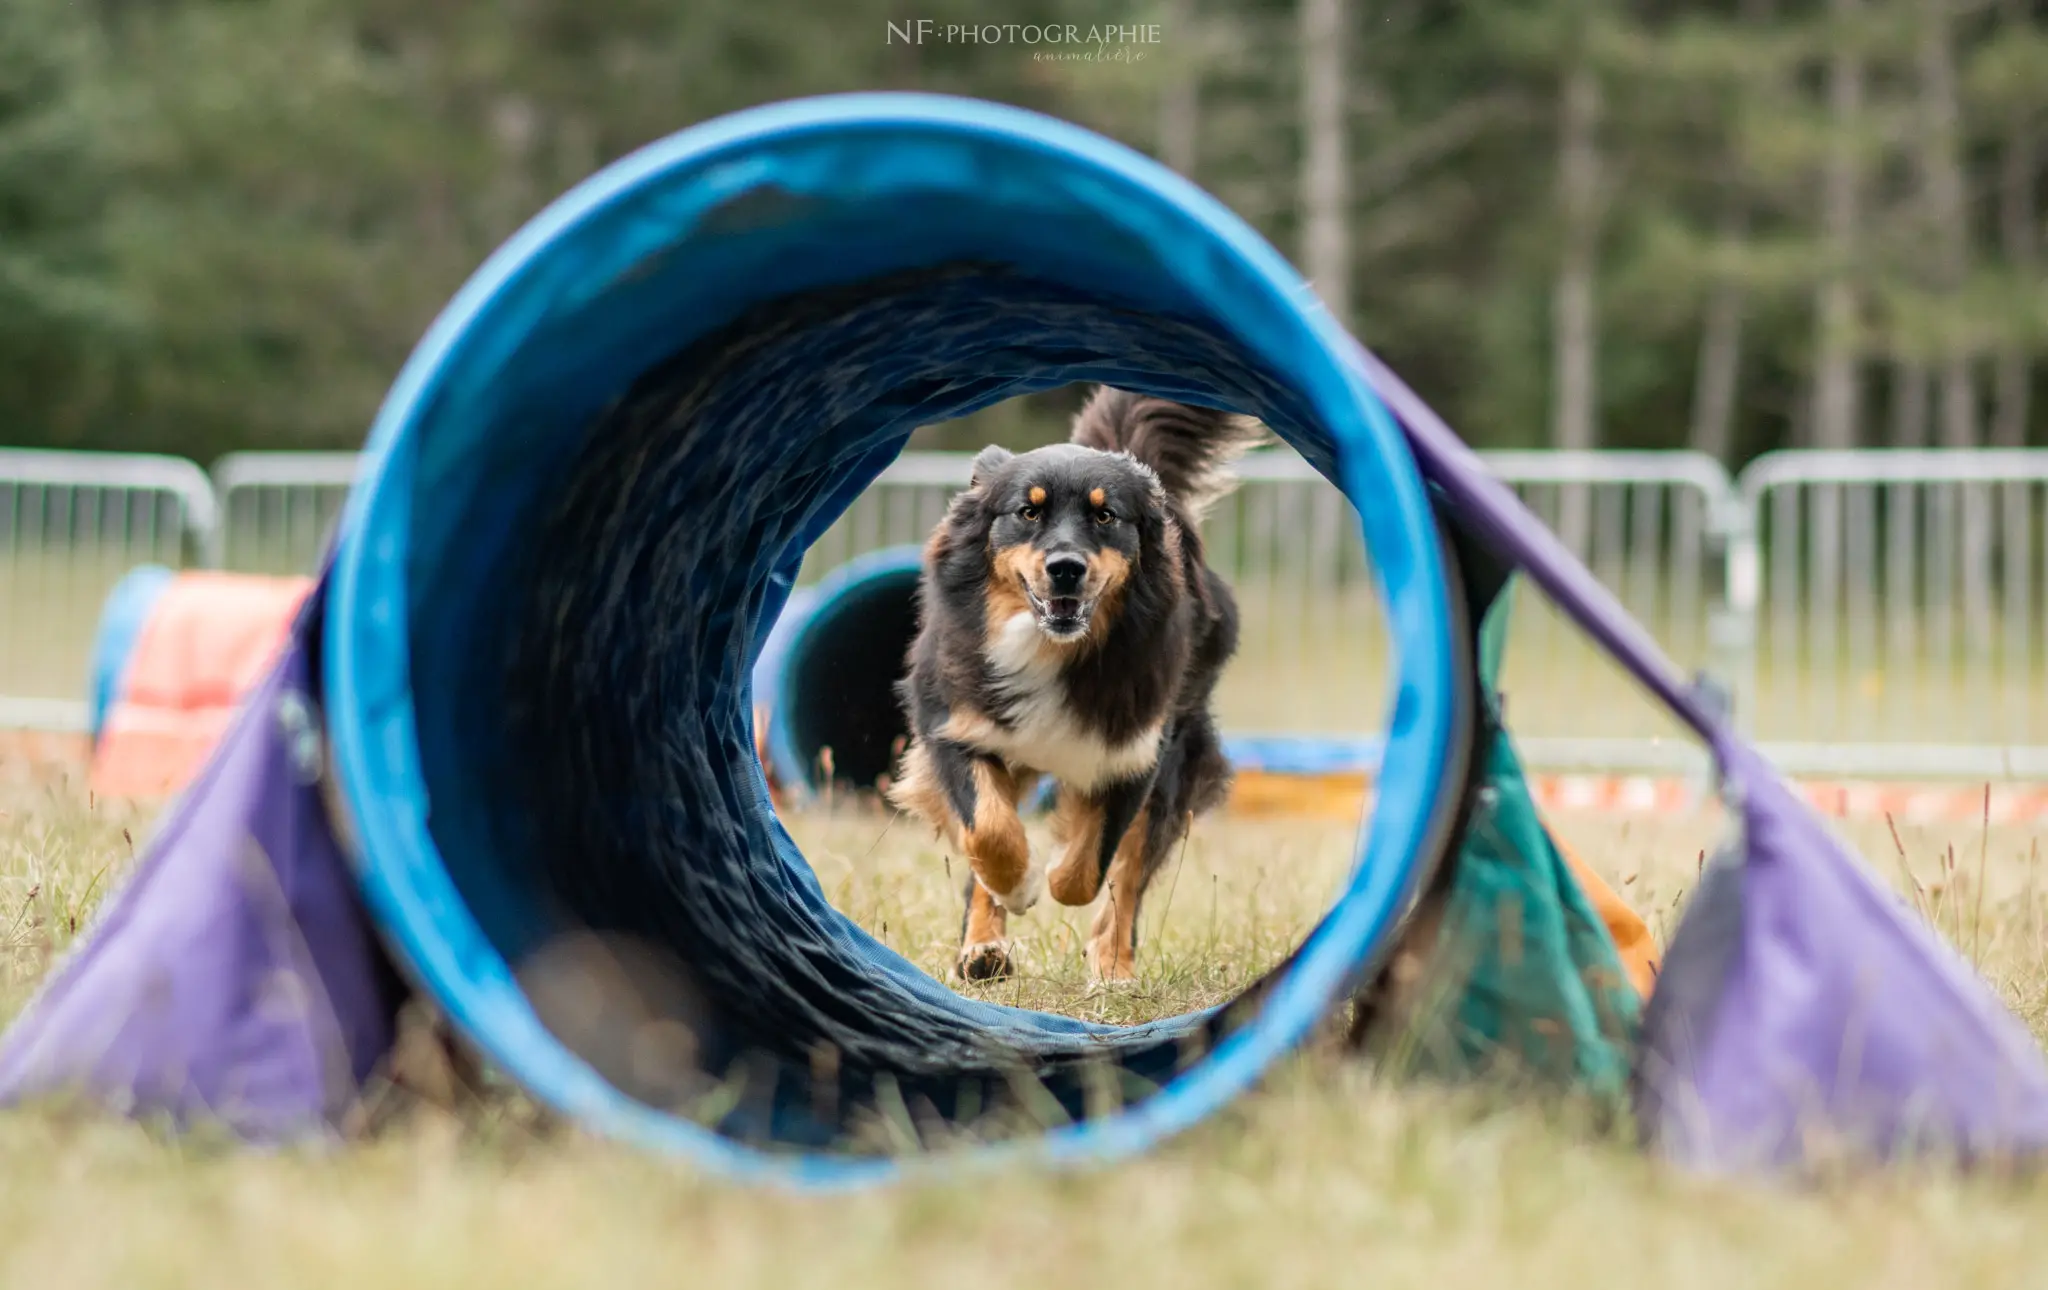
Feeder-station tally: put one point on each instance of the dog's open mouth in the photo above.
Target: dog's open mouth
(1061, 617)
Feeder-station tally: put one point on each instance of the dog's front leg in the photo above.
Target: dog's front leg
(971, 801)
(1090, 826)
(982, 795)
(984, 940)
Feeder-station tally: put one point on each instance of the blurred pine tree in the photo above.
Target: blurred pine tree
(224, 223)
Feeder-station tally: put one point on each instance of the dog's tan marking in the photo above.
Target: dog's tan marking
(1112, 939)
(1037, 495)
(1108, 570)
(984, 949)
(973, 729)
(1008, 571)
(1109, 576)
(994, 841)
(1097, 497)
(1076, 877)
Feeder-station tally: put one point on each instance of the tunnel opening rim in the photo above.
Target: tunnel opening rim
(403, 876)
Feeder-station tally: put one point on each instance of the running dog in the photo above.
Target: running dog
(1069, 627)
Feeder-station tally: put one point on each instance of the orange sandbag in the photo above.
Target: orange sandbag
(1631, 934)
(208, 639)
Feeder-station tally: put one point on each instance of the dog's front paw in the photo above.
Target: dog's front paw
(987, 961)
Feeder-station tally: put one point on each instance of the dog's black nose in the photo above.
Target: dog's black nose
(1066, 573)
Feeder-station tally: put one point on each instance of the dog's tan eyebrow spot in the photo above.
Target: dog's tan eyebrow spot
(1037, 496)
(1098, 497)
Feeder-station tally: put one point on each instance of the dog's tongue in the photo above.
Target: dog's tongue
(1064, 606)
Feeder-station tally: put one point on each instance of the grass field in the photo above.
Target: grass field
(1322, 1177)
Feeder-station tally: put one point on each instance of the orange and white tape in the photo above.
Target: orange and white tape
(1839, 799)
(1342, 796)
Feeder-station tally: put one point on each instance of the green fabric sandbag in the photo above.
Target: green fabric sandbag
(1523, 978)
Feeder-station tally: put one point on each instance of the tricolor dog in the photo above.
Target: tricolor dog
(1069, 628)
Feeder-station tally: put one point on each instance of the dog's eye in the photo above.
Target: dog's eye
(1029, 513)
(1105, 516)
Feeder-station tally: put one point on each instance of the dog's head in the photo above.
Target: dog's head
(1066, 528)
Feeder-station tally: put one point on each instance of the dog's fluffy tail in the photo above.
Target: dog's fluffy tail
(1189, 448)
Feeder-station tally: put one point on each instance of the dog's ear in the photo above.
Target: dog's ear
(986, 463)
(966, 524)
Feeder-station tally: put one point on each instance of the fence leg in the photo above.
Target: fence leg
(1732, 625)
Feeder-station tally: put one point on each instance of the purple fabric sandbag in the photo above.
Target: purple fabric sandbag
(1803, 1010)
(234, 978)
(1812, 1014)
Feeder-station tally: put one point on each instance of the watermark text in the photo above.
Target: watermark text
(918, 31)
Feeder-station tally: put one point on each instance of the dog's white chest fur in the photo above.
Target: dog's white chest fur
(1043, 735)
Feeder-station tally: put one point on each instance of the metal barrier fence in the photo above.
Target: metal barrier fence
(1897, 599)
(71, 524)
(1873, 612)
(277, 509)
(1313, 649)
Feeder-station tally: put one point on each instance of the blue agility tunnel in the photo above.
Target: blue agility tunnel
(506, 761)
(824, 679)
(122, 617)
(598, 476)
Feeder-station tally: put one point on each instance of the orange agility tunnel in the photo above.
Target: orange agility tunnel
(175, 654)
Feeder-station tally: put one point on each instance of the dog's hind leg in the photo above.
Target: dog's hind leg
(1192, 778)
(1113, 938)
